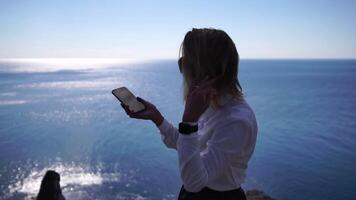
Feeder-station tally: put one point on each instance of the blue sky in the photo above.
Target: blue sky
(155, 29)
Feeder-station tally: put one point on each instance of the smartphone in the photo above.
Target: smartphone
(126, 97)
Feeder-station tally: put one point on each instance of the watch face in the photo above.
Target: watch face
(186, 129)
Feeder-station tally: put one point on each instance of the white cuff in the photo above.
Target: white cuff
(164, 126)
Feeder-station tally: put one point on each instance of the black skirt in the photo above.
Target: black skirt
(209, 194)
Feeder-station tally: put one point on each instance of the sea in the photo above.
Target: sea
(60, 114)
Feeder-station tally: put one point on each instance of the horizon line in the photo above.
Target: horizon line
(150, 59)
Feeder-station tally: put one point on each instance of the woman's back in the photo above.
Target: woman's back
(232, 129)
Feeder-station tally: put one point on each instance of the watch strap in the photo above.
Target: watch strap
(186, 128)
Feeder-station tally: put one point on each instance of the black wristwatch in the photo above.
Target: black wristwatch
(187, 129)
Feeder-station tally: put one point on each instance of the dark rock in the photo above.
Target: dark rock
(257, 195)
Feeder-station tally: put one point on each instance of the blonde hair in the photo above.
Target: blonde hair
(210, 52)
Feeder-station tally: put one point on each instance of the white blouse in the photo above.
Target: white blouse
(215, 156)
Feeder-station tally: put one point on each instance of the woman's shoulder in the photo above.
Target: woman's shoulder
(236, 122)
(236, 111)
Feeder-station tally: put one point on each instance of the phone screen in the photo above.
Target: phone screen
(126, 97)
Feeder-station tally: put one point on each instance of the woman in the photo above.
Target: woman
(217, 135)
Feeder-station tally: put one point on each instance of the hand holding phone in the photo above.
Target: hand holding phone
(149, 111)
(127, 98)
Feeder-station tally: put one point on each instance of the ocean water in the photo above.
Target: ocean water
(65, 118)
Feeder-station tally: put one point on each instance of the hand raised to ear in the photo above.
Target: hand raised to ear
(198, 99)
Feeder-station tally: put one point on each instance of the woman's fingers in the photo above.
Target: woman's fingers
(202, 84)
(211, 91)
(141, 115)
(138, 115)
(148, 105)
(206, 83)
(141, 100)
(208, 93)
(127, 110)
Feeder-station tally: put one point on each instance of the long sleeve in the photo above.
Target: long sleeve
(169, 134)
(199, 168)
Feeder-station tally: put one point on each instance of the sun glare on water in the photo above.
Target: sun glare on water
(73, 177)
(57, 64)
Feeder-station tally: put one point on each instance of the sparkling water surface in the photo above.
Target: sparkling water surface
(66, 119)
